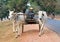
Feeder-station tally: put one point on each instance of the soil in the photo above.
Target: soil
(30, 34)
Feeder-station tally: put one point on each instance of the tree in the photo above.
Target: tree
(17, 4)
(6, 5)
(47, 5)
(3, 8)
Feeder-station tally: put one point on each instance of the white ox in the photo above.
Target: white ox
(17, 20)
(42, 18)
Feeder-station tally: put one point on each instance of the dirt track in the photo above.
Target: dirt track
(30, 34)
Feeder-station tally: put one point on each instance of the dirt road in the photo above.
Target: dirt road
(30, 34)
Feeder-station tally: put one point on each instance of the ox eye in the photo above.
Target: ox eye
(42, 14)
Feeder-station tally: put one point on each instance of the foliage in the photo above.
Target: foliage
(18, 5)
(47, 5)
(6, 5)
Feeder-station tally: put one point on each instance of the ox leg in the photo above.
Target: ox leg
(17, 30)
(41, 30)
(20, 29)
(40, 23)
(13, 27)
(39, 27)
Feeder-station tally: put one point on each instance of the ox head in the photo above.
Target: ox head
(10, 14)
(42, 13)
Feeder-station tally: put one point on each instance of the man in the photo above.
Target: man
(31, 13)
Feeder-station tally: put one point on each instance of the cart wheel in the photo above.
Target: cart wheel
(39, 27)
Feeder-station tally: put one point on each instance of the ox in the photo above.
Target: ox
(42, 18)
(18, 20)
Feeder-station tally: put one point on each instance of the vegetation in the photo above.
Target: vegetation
(6, 5)
(47, 5)
(18, 5)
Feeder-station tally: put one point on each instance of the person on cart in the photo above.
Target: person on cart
(30, 13)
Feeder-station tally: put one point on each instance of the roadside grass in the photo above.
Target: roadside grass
(6, 34)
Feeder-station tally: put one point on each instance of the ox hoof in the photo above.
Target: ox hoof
(39, 35)
(16, 36)
(13, 31)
